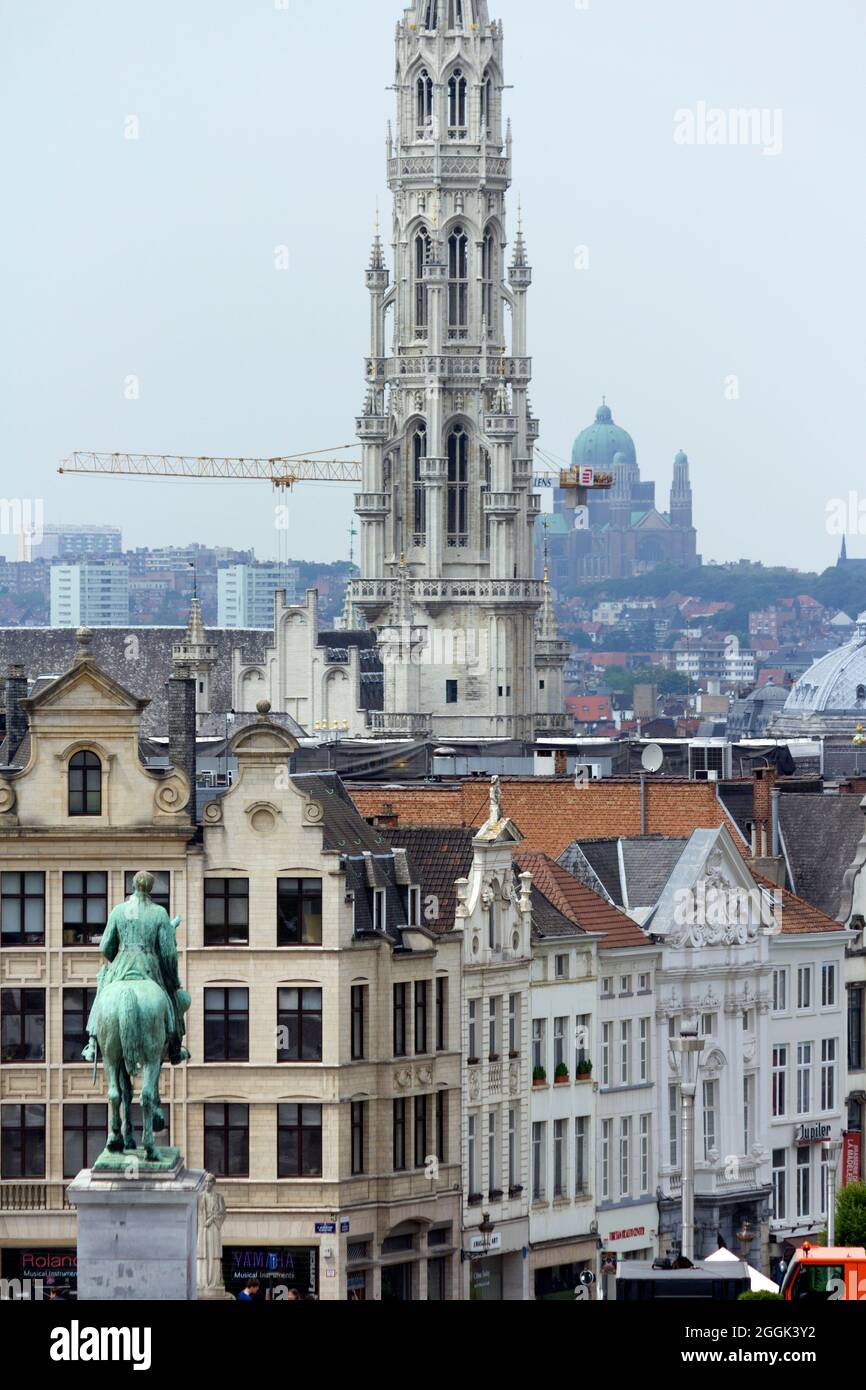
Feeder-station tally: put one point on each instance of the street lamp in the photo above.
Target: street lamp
(831, 1149)
(689, 1046)
(746, 1235)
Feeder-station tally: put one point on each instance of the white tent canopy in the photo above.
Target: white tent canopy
(760, 1282)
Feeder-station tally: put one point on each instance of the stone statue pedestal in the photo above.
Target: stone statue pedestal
(137, 1228)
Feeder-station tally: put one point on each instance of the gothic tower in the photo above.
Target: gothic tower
(447, 510)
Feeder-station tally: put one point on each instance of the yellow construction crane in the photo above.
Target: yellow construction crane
(283, 473)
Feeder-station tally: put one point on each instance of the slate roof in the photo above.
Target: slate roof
(344, 828)
(440, 857)
(638, 880)
(820, 836)
(579, 904)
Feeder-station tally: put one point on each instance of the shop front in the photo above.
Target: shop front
(629, 1233)
(496, 1265)
(277, 1269)
(49, 1272)
(555, 1269)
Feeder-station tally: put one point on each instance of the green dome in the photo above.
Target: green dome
(598, 446)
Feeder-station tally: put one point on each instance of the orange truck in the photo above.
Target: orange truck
(826, 1275)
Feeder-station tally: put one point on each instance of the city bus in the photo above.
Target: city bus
(826, 1275)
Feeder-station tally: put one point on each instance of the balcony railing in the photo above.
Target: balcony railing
(381, 591)
(33, 1196)
(411, 725)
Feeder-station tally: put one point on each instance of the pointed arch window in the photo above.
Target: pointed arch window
(85, 785)
(488, 281)
(458, 282)
(419, 453)
(424, 103)
(487, 103)
(431, 14)
(457, 105)
(458, 487)
(486, 489)
(422, 250)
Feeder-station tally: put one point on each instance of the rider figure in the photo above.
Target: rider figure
(139, 944)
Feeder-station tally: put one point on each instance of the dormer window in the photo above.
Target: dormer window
(85, 785)
(414, 907)
(379, 909)
(861, 694)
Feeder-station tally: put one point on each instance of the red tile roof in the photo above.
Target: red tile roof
(580, 904)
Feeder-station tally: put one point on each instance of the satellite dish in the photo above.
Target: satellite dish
(653, 758)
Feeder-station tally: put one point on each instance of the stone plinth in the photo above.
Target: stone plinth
(137, 1232)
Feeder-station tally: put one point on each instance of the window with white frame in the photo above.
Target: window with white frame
(625, 1156)
(561, 967)
(472, 1011)
(560, 1042)
(804, 1078)
(414, 907)
(804, 1180)
(625, 1052)
(645, 1121)
(673, 1125)
(581, 1156)
(539, 1161)
(804, 987)
(606, 1034)
(780, 990)
(625, 984)
(581, 1040)
(493, 1027)
(828, 985)
(828, 1074)
(472, 1176)
(606, 1128)
(708, 1025)
(643, 984)
(492, 1153)
(379, 910)
(513, 1148)
(560, 1159)
(780, 1184)
(607, 987)
(644, 1049)
(514, 1024)
(539, 1050)
(711, 1119)
(780, 1081)
(748, 1112)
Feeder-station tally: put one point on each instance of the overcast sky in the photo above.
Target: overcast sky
(259, 127)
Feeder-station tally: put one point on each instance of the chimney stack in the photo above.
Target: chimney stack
(182, 727)
(16, 719)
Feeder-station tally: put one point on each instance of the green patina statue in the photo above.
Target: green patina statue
(137, 1019)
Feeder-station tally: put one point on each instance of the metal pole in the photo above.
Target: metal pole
(688, 1142)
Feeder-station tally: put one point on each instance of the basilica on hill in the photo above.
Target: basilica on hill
(624, 534)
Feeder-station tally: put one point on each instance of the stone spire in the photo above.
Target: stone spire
(194, 657)
(377, 255)
(547, 623)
